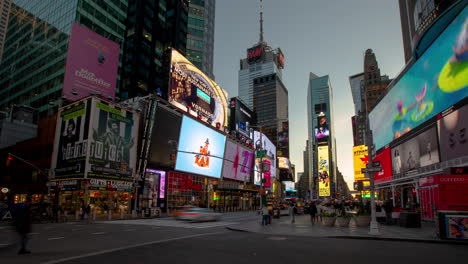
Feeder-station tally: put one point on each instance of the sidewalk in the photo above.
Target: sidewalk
(303, 227)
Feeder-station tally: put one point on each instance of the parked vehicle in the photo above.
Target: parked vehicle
(198, 214)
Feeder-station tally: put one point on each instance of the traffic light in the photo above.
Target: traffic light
(8, 160)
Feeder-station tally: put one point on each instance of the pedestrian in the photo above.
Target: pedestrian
(319, 212)
(388, 211)
(22, 223)
(265, 215)
(292, 208)
(312, 212)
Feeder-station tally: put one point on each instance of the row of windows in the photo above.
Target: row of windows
(196, 12)
(195, 32)
(194, 43)
(196, 22)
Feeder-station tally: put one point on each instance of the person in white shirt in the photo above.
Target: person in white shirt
(265, 216)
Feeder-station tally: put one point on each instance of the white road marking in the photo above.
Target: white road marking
(127, 247)
(171, 223)
(277, 238)
(55, 238)
(98, 233)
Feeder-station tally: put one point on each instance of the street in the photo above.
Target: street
(138, 241)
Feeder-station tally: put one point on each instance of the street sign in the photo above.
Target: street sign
(366, 170)
(376, 163)
(260, 154)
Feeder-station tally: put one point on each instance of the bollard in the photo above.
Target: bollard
(121, 214)
(109, 215)
(94, 214)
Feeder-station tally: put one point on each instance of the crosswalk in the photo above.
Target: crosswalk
(170, 223)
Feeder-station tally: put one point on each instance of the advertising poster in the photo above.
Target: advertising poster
(200, 149)
(283, 139)
(361, 159)
(71, 142)
(385, 159)
(270, 150)
(283, 163)
(191, 90)
(238, 162)
(91, 67)
(417, 152)
(151, 188)
(323, 171)
(113, 142)
(267, 174)
(456, 226)
(453, 134)
(436, 81)
(322, 131)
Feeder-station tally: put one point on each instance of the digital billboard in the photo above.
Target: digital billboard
(194, 92)
(419, 151)
(284, 163)
(71, 141)
(436, 81)
(113, 141)
(200, 149)
(255, 53)
(240, 117)
(91, 66)
(360, 158)
(385, 159)
(453, 134)
(238, 162)
(323, 171)
(270, 149)
(322, 131)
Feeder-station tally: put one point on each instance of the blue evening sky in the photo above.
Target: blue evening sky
(319, 36)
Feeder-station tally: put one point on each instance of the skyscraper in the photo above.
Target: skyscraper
(4, 12)
(200, 38)
(322, 148)
(36, 44)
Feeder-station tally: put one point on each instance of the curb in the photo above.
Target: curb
(403, 240)
(238, 230)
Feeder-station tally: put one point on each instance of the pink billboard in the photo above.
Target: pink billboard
(92, 64)
(238, 162)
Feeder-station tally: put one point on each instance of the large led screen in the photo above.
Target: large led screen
(238, 162)
(437, 80)
(453, 134)
(200, 149)
(269, 148)
(323, 171)
(192, 91)
(321, 130)
(385, 159)
(361, 159)
(419, 151)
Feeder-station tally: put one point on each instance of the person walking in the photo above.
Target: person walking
(22, 223)
(388, 211)
(265, 215)
(319, 212)
(312, 212)
(292, 208)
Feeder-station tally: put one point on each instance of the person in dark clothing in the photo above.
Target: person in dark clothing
(312, 212)
(388, 211)
(22, 223)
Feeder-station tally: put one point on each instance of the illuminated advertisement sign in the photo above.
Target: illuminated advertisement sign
(200, 149)
(68, 159)
(321, 131)
(238, 162)
(385, 159)
(361, 159)
(91, 67)
(113, 144)
(280, 59)
(269, 148)
(254, 53)
(456, 226)
(419, 151)
(453, 134)
(284, 163)
(323, 171)
(192, 91)
(436, 81)
(240, 117)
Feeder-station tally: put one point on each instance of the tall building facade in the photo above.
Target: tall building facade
(200, 38)
(322, 148)
(153, 27)
(36, 43)
(4, 13)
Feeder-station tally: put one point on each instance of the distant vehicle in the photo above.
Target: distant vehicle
(198, 215)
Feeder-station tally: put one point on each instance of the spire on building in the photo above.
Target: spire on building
(261, 41)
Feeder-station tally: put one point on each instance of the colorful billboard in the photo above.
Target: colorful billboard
(238, 162)
(91, 67)
(385, 159)
(419, 151)
(270, 150)
(323, 171)
(436, 81)
(456, 226)
(71, 141)
(322, 131)
(200, 149)
(453, 134)
(284, 163)
(194, 92)
(361, 159)
(113, 141)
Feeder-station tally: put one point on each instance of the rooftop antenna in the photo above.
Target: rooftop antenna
(261, 21)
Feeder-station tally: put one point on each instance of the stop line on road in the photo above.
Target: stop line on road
(170, 223)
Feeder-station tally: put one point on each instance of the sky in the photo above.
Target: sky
(326, 37)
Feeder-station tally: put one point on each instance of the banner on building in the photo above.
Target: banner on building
(361, 158)
(323, 171)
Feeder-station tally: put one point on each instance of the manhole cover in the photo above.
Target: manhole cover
(277, 238)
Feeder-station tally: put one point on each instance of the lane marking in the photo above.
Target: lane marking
(98, 233)
(101, 252)
(55, 238)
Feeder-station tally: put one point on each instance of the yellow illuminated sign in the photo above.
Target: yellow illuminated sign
(360, 157)
(323, 171)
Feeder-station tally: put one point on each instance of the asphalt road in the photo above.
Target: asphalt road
(159, 242)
